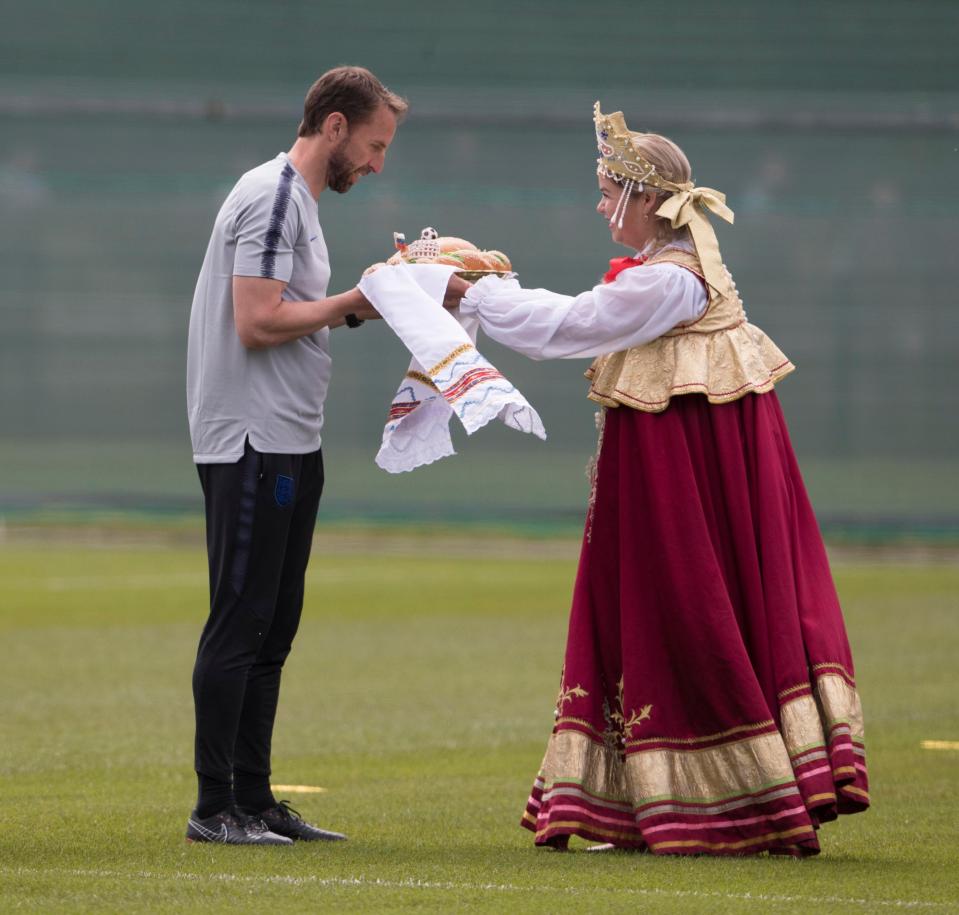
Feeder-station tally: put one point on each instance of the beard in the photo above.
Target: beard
(340, 170)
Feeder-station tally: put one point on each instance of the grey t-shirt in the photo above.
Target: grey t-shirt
(267, 227)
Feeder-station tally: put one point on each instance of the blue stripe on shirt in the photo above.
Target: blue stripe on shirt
(277, 217)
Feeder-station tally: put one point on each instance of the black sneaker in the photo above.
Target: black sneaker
(283, 820)
(232, 827)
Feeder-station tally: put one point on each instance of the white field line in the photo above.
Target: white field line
(412, 883)
(299, 789)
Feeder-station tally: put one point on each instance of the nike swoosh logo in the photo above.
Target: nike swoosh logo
(211, 836)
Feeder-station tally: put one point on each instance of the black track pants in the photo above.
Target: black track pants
(260, 515)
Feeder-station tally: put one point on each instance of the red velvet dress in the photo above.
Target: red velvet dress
(708, 701)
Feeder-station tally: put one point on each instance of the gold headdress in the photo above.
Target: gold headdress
(623, 163)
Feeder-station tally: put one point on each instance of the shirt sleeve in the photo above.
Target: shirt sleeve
(266, 227)
(640, 305)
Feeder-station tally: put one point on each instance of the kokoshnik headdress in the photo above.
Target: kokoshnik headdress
(623, 163)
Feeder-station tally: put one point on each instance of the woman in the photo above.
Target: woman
(707, 703)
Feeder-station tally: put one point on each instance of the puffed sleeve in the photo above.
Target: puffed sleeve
(640, 305)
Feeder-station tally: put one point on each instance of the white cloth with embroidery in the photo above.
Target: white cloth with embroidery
(447, 376)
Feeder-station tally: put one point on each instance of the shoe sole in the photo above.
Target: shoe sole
(190, 841)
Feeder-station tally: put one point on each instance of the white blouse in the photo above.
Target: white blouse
(641, 304)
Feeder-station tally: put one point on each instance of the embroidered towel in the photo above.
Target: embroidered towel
(447, 375)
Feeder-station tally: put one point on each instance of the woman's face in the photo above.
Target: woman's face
(638, 221)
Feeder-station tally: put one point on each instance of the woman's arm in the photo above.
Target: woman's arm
(640, 305)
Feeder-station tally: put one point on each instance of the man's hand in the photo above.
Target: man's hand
(365, 310)
(455, 290)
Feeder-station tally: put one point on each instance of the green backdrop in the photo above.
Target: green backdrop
(833, 129)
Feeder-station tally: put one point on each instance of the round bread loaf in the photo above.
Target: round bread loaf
(473, 259)
(451, 258)
(498, 260)
(451, 243)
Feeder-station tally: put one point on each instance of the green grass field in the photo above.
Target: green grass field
(419, 695)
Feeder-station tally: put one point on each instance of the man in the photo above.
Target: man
(258, 367)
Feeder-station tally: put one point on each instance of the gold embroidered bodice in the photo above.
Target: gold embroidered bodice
(720, 354)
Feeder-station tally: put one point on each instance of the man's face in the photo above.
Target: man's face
(361, 151)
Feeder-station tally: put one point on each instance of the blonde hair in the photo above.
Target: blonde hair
(671, 163)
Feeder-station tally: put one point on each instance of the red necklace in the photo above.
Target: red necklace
(618, 264)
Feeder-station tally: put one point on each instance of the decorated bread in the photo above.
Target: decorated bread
(433, 248)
